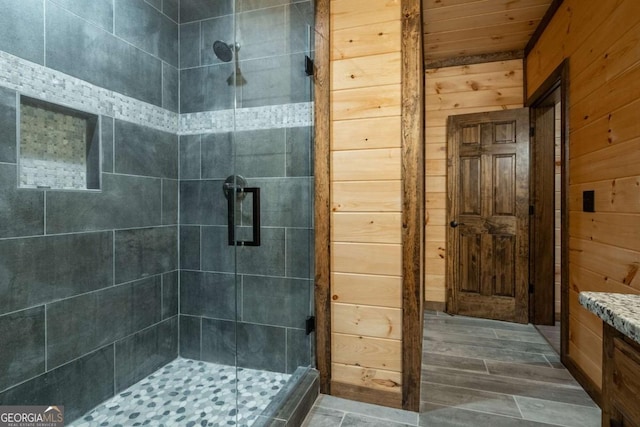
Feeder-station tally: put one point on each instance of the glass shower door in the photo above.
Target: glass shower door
(271, 217)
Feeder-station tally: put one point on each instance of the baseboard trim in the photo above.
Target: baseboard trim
(366, 395)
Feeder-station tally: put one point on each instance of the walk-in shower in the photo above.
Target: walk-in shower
(156, 233)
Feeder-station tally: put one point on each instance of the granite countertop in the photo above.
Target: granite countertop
(622, 311)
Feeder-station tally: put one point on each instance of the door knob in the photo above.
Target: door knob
(454, 224)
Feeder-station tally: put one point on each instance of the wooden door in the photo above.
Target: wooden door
(488, 210)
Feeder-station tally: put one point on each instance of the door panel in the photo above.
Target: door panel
(488, 200)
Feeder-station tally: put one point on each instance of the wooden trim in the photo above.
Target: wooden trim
(435, 306)
(366, 394)
(474, 59)
(542, 198)
(412, 202)
(583, 379)
(560, 77)
(546, 19)
(322, 197)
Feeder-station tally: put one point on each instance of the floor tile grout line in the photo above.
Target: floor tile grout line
(518, 406)
(480, 412)
(491, 376)
(467, 388)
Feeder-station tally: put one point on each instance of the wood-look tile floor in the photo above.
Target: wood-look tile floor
(478, 373)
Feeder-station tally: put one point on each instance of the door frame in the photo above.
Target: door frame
(542, 208)
(560, 78)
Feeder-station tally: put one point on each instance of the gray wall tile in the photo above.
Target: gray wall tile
(208, 294)
(298, 349)
(73, 324)
(299, 152)
(189, 247)
(38, 270)
(22, 29)
(22, 337)
(206, 88)
(143, 353)
(216, 254)
(202, 202)
(169, 294)
(80, 49)
(106, 130)
(275, 80)
(145, 252)
(140, 150)
(190, 156)
(171, 8)
(298, 18)
(259, 153)
(190, 337)
(261, 296)
(285, 202)
(247, 5)
(155, 3)
(299, 249)
(261, 347)
(169, 201)
(147, 28)
(21, 210)
(219, 341)
(8, 140)
(99, 12)
(267, 259)
(261, 33)
(215, 29)
(79, 386)
(125, 202)
(170, 81)
(217, 155)
(190, 45)
(194, 10)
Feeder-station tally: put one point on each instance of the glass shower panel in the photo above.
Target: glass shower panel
(273, 213)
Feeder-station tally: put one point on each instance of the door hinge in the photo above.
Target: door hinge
(532, 209)
(532, 132)
(530, 288)
(310, 324)
(308, 66)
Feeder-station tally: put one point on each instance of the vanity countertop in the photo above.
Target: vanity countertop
(622, 311)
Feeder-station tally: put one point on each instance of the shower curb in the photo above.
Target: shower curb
(291, 405)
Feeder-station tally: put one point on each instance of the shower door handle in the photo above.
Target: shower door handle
(231, 213)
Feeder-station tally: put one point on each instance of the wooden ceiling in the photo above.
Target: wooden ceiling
(462, 28)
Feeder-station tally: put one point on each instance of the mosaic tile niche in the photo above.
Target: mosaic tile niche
(59, 147)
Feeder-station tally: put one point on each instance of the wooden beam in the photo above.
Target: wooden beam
(322, 202)
(546, 19)
(474, 59)
(412, 108)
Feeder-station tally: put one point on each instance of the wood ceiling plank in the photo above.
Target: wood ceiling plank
(486, 20)
(479, 8)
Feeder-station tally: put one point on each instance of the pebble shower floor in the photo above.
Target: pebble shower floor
(189, 393)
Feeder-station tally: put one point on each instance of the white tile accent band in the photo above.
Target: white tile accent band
(47, 84)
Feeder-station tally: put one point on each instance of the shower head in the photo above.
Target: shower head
(223, 50)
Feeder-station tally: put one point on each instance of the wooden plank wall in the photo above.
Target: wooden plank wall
(600, 39)
(448, 91)
(366, 249)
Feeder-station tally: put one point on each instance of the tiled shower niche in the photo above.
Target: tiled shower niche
(59, 147)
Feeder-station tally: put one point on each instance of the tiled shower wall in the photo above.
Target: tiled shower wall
(89, 280)
(273, 283)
